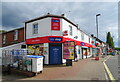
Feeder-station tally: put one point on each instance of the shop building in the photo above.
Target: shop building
(50, 34)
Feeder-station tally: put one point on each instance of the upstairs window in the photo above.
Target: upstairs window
(89, 40)
(70, 28)
(4, 39)
(35, 28)
(82, 36)
(16, 35)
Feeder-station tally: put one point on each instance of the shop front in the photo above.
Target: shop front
(86, 50)
(50, 47)
(56, 49)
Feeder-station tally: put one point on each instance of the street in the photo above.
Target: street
(112, 64)
(86, 69)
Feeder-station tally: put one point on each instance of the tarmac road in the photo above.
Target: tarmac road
(112, 64)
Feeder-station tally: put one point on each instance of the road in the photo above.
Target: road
(112, 64)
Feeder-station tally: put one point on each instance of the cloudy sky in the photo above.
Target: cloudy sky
(14, 14)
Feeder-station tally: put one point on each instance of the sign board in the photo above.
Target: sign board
(68, 50)
(65, 33)
(82, 43)
(55, 39)
(55, 24)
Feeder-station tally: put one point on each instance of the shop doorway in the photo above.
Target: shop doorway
(55, 50)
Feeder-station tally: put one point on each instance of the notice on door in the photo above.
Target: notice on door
(68, 50)
(55, 55)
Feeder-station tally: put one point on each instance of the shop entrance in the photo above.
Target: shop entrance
(55, 50)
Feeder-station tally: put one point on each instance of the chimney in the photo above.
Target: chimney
(62, 15)
(92, 35)
(48, 13)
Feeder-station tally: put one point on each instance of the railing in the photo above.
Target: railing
(16, 59)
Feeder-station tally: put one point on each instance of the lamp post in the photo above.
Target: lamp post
(97, 23)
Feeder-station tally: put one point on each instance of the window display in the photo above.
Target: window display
(37, 49)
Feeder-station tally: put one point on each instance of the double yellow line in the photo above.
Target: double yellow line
(107, 69)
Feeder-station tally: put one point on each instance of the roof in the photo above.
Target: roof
(13, 30)
(56, 16)
(51, 15)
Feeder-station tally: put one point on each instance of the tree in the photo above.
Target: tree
(117, 48)
(110, 40)
(1, 31)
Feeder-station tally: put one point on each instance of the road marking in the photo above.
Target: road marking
(106, 76)
(107, 69)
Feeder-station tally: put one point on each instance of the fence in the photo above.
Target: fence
(16, 59)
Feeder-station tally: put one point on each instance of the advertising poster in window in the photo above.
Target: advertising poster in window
(37, 49)
(55, 24)
(68, 50)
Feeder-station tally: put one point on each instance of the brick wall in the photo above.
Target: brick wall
(10, 37)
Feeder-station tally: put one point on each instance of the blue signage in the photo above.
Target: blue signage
(54, 39)
(82, 43)
(55, 20)
(55, 55)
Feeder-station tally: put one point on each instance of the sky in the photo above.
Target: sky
(14, 14)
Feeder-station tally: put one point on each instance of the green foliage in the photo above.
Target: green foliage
(117, 48)
(110, 40)
(1, 31)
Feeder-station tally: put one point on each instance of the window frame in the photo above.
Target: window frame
(70, 30)
(82, 36)
(35, 30)
(4, 39)
(16, 35)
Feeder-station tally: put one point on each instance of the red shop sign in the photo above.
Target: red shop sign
(65, 33)
(92, 41)
(55, 24)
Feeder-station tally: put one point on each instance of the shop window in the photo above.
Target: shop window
(70, 28)
(35, 28)
(16, 35)
(37, 49)
(4, 39)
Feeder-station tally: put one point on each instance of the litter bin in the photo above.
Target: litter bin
(68, 62)
(36, 63)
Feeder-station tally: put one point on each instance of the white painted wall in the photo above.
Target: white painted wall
(86, 38)
(65, 26)
(44, 29)
(79, 35)
(46, 55)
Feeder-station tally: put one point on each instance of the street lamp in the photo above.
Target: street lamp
(97, 23)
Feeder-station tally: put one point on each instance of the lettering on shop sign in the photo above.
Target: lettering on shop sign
(55, 20)
(35, 40)
(55, 39)
(82, 43)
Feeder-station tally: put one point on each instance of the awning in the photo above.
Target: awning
(55, 39)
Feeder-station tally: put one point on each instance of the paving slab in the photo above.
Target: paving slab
(85, 69)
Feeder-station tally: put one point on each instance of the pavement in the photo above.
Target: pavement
(112, 64)
(85, 69)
